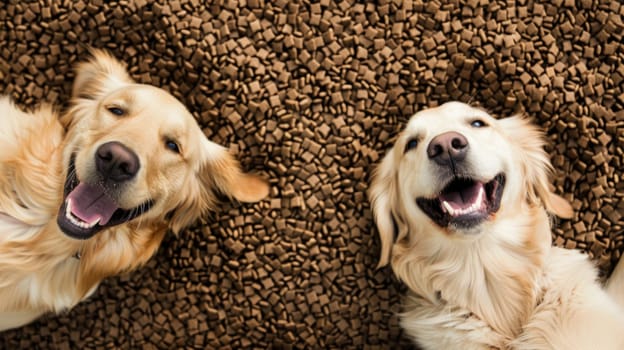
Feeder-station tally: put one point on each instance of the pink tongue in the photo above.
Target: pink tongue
(464, 198)
(89, 203)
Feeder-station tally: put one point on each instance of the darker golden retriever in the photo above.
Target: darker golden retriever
(105, 181)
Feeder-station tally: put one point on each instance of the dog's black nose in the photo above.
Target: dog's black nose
(448, 147)
(116, 162)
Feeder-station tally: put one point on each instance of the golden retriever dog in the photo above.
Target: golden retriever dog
(462, 203)
(91, 193)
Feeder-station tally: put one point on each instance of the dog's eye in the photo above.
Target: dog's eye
(172, 146)
(411, 144)
(116, 110)
(478, 123)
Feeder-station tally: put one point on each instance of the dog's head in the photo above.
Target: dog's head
(135, 154)
(455, 169)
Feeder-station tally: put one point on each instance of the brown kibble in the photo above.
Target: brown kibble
(310, 97)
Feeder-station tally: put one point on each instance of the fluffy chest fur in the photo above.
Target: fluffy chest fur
(36, 261)
(42, 281)
(506, 288)
(569, 310)
(474, 282)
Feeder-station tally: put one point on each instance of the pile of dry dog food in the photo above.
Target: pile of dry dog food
(311, 95)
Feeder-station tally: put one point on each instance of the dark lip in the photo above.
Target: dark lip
(493, 190)
(119, 217)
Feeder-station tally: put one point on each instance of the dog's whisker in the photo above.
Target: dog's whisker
(140, 212)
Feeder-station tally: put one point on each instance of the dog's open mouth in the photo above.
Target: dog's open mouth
(464, 202)
(88, 208)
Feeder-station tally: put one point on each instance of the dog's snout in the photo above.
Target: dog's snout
(446, 147)
(116, 162)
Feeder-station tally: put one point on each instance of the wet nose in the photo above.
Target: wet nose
(447, 147)
(116, 162)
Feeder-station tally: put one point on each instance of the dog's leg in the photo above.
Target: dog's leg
(14, 319)
(615, 284)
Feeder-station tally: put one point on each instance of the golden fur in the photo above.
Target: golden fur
(497, 283)
(38, 268)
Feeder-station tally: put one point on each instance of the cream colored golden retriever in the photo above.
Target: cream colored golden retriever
(92, 194)
(461, 203)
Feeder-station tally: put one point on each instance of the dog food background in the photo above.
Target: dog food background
(311, 95)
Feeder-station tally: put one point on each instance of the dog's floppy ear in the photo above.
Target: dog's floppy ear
(225, 174)
(99, 76)
(95, 78)
(220, 172)
(383, 195)
(535, 165)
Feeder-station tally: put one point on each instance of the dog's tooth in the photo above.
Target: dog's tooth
(93, 223)
(448, 208)
(480, 195)
(68, 208)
